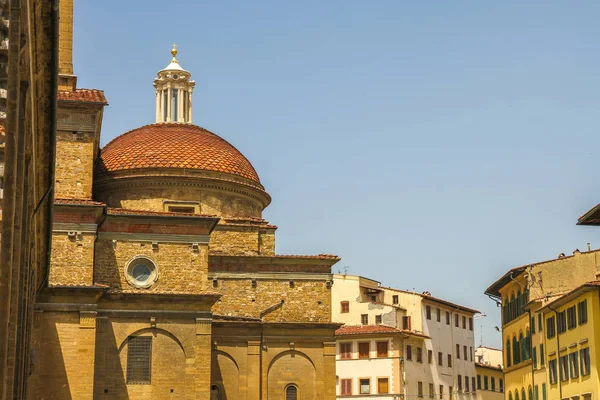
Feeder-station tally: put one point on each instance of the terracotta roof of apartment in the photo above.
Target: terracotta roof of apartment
(366, 330)
(449, 303)
(83, 95)
(414, 333)
(591, 217)
(495, 367)
(77, 202)
(174, 145)
(592, 285)
(124, 211)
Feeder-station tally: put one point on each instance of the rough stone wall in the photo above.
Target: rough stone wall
(65, 44)
(63, 365)
(306, 301)
(242, 241)
(152, 198)
(180, 268)
(72, 260)
(74, 165)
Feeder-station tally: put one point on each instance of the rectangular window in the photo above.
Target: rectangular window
(408, 352)
(458, 351)
(378, 319)
(485, 383)
(395, 299)
(542, 355)
(364, 319)
(456, 320)
(465, 353)
(471, 353)
(584, 356)
(450, 360)
(536, 392)
(450, 394)
(364, 349)
(534, 357)
(574, 363)
(382, 349)
(470, 323)
(447, 318)
(561, 322)
(430, 356)
(345, 351)
(439, 314)
(459, 381)
(564, 368)
(493, 381)
(181, 209)
(420, 389)
(440, 358)
(571, 317)
(550, 328)
(431, 391)
(346, 387)
(540, 323)
(139, 360)
(365, 386)
(552, 375)
(464, 322)
(345, 307)
(419, 354)
(582, 311)
(428, 311)
(383, 385)
(544, 395)
(406, 323)
(532, 324)
(473, 382)
(466, 383)
(441, 394)
(479, 382)
(501, 385)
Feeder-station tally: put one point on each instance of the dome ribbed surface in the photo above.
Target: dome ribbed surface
(174, 145)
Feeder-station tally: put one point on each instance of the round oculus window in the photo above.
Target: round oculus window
(141, 272)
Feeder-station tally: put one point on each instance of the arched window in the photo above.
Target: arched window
(516, 351)
(525, 344)
(508, 362)
(513, 307)
(291, 392)
(522, 344)
(505, 316)
(523, 393)
(530, 393)
(510, 396)
(525, 296)
(519, 304)
(516, 395)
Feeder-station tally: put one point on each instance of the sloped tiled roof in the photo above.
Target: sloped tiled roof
(85, 95)
(365, 329)
(174, 145)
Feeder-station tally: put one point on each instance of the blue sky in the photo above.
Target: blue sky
(432, 145)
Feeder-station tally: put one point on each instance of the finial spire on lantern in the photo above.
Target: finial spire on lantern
(174, 89)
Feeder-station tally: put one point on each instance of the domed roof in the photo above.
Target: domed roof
(174, 145)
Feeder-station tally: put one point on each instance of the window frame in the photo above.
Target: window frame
(360, 385)
(132, 377)
(387, 383)
(381, 354)
(362, 355)
(289, 386)
(342, 387)
(344, 307)
(345, 355)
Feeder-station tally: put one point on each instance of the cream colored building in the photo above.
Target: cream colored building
(435, 339)
(490, 378)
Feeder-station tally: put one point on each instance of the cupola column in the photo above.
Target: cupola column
(174, 93)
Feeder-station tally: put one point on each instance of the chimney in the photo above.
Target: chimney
(66, 79)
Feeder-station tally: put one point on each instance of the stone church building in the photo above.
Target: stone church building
(164, 281)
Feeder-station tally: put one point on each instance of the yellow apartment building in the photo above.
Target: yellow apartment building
(572, 326)
(522, 293)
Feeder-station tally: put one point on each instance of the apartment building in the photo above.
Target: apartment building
(431, 342)
(490, 379)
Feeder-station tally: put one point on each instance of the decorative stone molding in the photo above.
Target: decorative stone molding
(87, 319)
(203, 326)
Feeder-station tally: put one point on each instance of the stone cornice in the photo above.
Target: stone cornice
(283, 276)
(153, 237)
(162, 180)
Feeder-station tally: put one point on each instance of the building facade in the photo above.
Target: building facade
(164, 280)
(490, 378)
(436, 339)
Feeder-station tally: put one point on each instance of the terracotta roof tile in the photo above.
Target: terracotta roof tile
(125, 211)
(78, 202)
(365, 329)
(85, 95)
(496, 367)
(174, 145)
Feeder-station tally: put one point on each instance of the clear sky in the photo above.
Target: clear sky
(432, 145)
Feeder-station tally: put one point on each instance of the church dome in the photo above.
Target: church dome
(174, 146)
